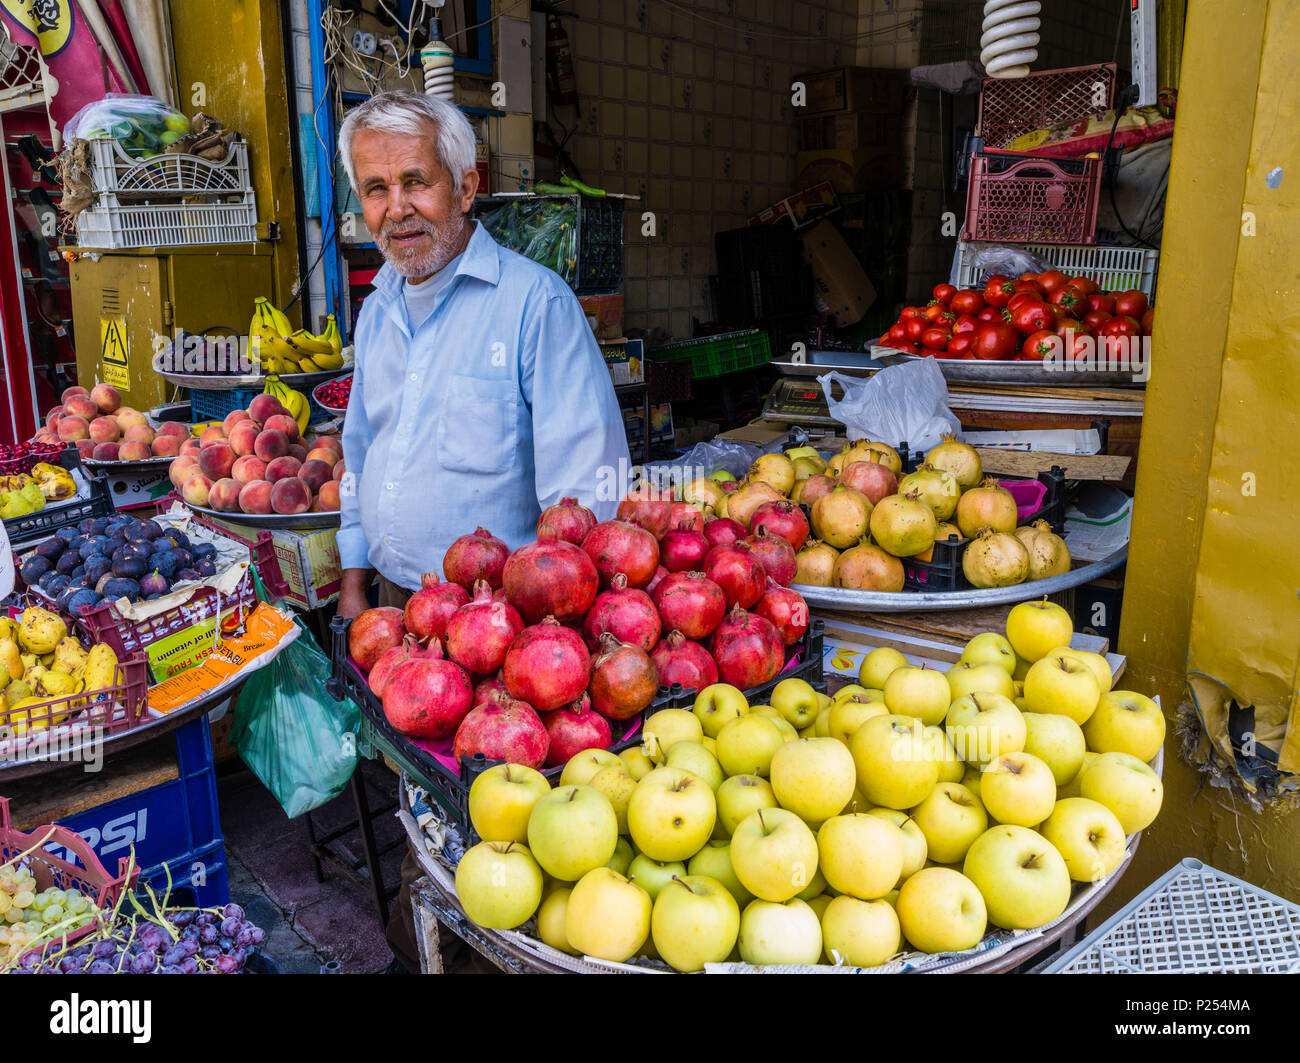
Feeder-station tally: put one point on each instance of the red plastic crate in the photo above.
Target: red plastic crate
(1011, 107)
(1025, 199)
(130, 696)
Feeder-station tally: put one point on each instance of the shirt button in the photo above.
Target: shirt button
(414, 378)
(389, 486)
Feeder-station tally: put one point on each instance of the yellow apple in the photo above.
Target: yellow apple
(915, 848)
(983, 726)
(637, 763)
(717, 704)
(816, 886)
(971, 778)
(1061, 686)
(941, 751)
(714, 861)
(711, 744)
(740, 795)
(1126, 722)
(941, 910)
(851, 690)
(671, 814)
(502, 798)
(746, 745)
(664, 728)
(787, 729)
(774, 854)
(695, 921)
(878, 665)
(550, 919)
(1018, 789)
(607, 916)
(818, 904)
(1088, 837)
(859, 933)
(1095, 663)
(651, 875)
(822, 725)
(1057, 741)
(919, 692)
(1036, 628)
(988, 647)
(1071, 788)
(499, 884)
(857, 803)
(966, 677)
(779, 934)
(1126, 786)
(797, 701)
(890, 756)
(951, 818)
(861, 855)
(623, 854)
(617, 785)
(813, 777)
(572, 830)
(582, 766)
(693, 757)
(848, 715)
(1020, 875)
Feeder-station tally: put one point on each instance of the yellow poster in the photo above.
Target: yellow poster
(113, 352)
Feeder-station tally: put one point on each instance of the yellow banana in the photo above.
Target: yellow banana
(308, 345)
(281, 322)
(332, 337)
(328, 361)
(310, 365)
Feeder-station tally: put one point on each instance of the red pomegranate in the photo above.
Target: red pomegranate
(480, 555)
(786, 609)
(781, 518)
(553, 578)
(427, 698)
(573, 728)
(548, 665)
(649, 507)
(659, 575)
(399, 655)
(487, 687)
(480, 633)
(686, 516)
(623, 611)
(682, 549)
(503, 729)
(775, 554)
(737, 571)
(624, 679)
(620, 546)
(565, 520)
(874, 480)
(747, 648)
(428, 609)
(372, 634)
(691, 603)
(723, 531)
(682, 661)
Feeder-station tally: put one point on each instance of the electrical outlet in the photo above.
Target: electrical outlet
(365, 43)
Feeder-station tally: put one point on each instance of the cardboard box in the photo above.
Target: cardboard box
(309, 563)
(849, 170)
(625, 361)
(604, 315)
(801, 209)
(854, 88)
(661, 423)
(837, 275)
(858, 129)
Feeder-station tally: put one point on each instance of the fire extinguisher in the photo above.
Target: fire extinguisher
(559, 63)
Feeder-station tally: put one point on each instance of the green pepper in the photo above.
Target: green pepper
(578, 186)
(552, 189)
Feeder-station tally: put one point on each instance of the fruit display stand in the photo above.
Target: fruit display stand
(133, 484)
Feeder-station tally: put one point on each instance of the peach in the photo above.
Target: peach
(224, 495)
(270, 444)
(102, 451)
(282, 422)
(81, 406)
(332, 442)
(191, 447)
(242, 437)
(47, 437)
(174, 428)
(248, 468)
(233, 418)
(314, 473)
(216, 461)
(280, 468)
(324, 454)
(181, 468)
(134, 451)
(290, 495)
(139, 433)
(255, 496)
(106, 397)
(86, 447)
(73, 428)
(315, 506)
(76, 389)
(339, 470)
(52, 418)
(297, 450)
(329, 496)
(195, 489)
(264, 407)
(126, 418)
(105, 430)
(166, 446)
(212, 434)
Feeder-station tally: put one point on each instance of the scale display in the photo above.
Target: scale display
(793, 401)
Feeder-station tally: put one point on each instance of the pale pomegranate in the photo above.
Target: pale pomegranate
(786, 609)
(372, 634)
(723, 531)
(648, 507)
(807, 491)
(816, 563)
(623, 611)
(682, 549)
(399, 655)
(742, 505)
(781, 518)
(620, 546)
(503, 729)
(547, 666)
(573, 728)
(624, 679)
(427, 698)
(565, 520)
(937, 488)
(995, 559)
(487, 687)
(428, 609)
(903, 525)
(867, 567)
(1048, 554)
(479, 555)
(960, 459)
(748, 649)
(681, 661)
(988, 506)
(775, 554)
(481, 632)
(872, 479)
(553, 578)
(738, 571)
(691, 603)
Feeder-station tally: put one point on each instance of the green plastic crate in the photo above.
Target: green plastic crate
(713, 356)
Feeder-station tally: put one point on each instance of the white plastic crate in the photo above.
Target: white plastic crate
(1113, 268)
(1192, 920)
(157, 225)
(117, 177)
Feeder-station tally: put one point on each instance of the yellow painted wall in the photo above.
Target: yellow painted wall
(1213, 574)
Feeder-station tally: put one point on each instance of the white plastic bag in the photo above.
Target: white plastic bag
(905, 403)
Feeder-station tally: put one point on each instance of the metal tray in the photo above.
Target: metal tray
(282, 521)
(127, 466)
(1027, 374)
(231, 382)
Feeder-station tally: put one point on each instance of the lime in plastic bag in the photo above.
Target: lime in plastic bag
(143, 125)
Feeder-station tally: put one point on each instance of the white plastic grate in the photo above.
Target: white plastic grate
(1113, 268)
(182, 225)
(20, 75)
(1192, 920)
(118, 177)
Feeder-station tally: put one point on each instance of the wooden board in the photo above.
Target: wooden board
(1109, 467)
(1133, 395)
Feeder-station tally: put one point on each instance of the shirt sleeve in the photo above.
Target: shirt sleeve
(579, 443)
(354, 549)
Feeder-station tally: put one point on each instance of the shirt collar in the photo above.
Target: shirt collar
(479, 259)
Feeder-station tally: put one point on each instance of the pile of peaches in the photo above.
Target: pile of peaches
(256, 462)
(102, 429)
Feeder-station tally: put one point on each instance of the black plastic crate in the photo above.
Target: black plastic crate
(23, 531)
(451, 791)
(767, 249)
(759, 299)
(600, 246)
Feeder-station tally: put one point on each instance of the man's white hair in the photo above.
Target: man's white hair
(413, 114)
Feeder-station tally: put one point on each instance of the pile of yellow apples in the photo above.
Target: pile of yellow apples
(912, 810)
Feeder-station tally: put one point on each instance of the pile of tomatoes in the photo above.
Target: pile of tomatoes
(1018, 319)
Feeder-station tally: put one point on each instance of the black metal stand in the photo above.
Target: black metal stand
(372, 878)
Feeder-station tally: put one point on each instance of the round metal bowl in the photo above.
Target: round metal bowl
(284, 521)
(1025, 374)
(235, 381)
(335, 410)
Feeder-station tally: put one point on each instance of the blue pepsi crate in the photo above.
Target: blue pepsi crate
(214, 405)
(198, 878)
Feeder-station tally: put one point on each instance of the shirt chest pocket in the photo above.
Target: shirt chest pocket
(476, 426)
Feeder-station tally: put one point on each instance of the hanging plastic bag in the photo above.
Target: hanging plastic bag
(905, 403)
(144, 125)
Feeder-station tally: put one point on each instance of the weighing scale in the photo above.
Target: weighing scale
(797, 398)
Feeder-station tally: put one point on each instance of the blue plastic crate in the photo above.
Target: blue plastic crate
(214, 405)
(198, 878)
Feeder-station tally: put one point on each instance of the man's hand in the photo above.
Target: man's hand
(354, 594)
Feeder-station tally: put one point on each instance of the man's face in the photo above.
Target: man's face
(409, 202)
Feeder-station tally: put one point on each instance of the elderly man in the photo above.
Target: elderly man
(480, 396)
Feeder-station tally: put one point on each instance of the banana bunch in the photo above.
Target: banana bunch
(298, 405)
(280, 349)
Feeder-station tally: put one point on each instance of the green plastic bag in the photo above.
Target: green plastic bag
(297, 739)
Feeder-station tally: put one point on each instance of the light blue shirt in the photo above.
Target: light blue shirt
(498, 405)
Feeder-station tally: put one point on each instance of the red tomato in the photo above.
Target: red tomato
(960, 345)
(1070, 300)
(995, 340)
(945, 292)
(1032, 287)
(1148, 320)
(1051, 279)
(966, 301)
(936, 338)
(905, 347)
(1032, 316)
(1084, 285)
(1120, 326)
(934, 312)
(1067, 327)
(1094, 319)
(913, 327)
(1022, 297)
(897, 332)
(911, 311)
(1038, 345)
(965, 323)
(1131, 303)
(992, 313)
(999, 293)
(1101, 301)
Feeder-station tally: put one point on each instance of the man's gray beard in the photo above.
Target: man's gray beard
(446, 245)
